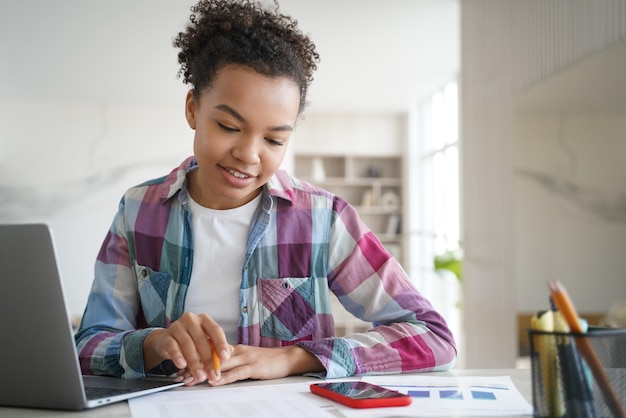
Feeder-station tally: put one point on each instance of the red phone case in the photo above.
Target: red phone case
(398, 400)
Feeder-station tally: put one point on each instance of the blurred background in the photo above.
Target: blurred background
(482, 140)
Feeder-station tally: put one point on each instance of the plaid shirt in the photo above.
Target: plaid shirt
(304, 242)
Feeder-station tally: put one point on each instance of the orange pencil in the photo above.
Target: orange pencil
(566, 307)
(215, 357)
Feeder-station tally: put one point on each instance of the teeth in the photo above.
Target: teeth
(237, 174)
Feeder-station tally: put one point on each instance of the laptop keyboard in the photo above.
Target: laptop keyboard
(99, 393)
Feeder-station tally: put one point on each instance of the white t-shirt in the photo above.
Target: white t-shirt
(219, 241)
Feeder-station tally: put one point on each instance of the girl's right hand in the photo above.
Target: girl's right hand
(188, 342)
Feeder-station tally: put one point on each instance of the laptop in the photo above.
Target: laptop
(40, 367)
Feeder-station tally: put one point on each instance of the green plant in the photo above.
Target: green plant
(451, 261)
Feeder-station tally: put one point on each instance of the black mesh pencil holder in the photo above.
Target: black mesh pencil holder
(578, 375)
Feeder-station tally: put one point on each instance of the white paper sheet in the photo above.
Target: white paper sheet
(433, 396)
(262, 401)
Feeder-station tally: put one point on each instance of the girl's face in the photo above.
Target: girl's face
(242, 125)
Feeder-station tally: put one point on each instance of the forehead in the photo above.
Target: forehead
(240, 85)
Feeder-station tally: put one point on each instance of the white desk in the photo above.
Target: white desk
(521, 378)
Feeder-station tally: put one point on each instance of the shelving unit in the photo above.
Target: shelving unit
(372, 184)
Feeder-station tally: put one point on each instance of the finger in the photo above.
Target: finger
(219, 347)
(177, 356)
(200, 346)
(166, 347)
(185, 377)
(186, 338)
(159, 346)
(196, 370)
(233, 375)
(217, 337)
(214, 368)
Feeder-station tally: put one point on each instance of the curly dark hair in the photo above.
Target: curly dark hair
(244, 32)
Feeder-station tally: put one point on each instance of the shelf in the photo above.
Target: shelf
(353, 181)
(373, 185)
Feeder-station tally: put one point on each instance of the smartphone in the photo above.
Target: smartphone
(357, 394)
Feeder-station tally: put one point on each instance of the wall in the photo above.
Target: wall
(507, 46)
(382, 134)
(67, 164)
(570, 193)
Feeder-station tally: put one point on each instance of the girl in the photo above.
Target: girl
(229, 254)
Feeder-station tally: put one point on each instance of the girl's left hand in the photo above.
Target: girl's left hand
(248, 362)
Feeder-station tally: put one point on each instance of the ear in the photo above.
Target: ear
(190, 109)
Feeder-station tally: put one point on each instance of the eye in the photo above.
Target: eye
(275, 142)
(226, 128)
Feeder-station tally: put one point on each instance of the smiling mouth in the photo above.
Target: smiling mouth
(237, 174)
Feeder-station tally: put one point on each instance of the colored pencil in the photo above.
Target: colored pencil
(566, 307)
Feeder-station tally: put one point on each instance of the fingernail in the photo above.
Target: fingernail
(225, 354)
(188, 380)
(179, 379)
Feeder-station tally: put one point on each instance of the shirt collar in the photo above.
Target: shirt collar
(280, 185)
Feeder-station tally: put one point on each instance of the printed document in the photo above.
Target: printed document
(433, 396)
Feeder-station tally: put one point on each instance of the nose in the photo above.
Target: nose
(248, 149)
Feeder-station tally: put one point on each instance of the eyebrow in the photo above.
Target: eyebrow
(236, 115)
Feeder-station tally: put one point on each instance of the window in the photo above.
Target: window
(434, 221)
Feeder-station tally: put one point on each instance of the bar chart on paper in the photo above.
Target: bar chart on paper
(481, 392)
(458, 396)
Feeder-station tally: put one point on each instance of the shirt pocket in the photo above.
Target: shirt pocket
(287, 308)
(153, 286)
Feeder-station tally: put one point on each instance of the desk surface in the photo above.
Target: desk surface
(521, 378)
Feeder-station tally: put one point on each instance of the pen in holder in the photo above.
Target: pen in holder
(579, 393)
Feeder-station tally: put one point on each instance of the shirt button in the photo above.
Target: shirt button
(244, 309)
(144, 273)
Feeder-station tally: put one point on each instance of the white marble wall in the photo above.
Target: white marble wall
(570, 177)
(67, 164)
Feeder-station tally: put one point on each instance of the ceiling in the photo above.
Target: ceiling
(376, 56)
(597, 84)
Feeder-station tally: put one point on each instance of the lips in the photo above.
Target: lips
(237, 178)
(237, 174)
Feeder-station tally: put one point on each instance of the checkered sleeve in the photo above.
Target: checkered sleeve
(408, 333)
(107, 340)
